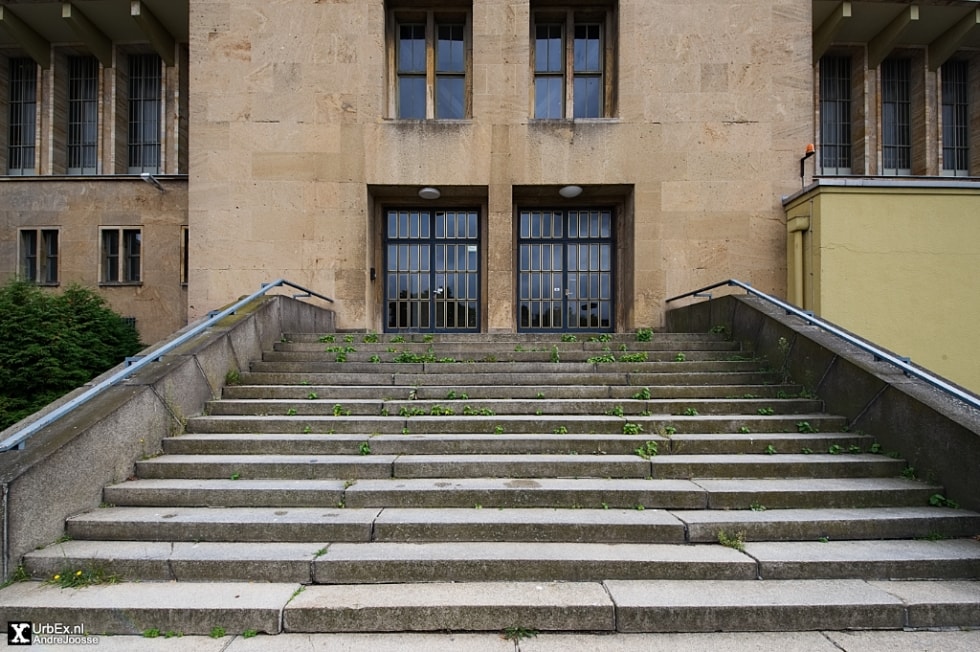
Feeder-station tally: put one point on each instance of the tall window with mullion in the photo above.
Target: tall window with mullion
(431, 63)
(23, 117)
(549, 71)
(144, 113)
(956, 118)
(122, 251)
(587, 70)
(835, 115)
(896, 114)
(39, 256)
(83, 115)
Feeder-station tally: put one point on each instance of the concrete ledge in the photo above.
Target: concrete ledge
(937, 434)
(64, 467)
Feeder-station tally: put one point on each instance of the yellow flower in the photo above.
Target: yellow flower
(77, 573)
(57, 577)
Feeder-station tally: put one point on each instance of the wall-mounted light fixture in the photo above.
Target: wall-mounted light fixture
(570, 192)
(150, 179)
(810, 151)
(430, 193)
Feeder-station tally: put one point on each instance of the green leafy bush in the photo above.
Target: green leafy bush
(52, 343)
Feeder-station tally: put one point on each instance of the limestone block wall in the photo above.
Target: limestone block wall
(294, 152)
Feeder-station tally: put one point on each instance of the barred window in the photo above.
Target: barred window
(835, 115)
(896, 116)
(22, 103)
(956, 118)
(144, 113)
(83, 115)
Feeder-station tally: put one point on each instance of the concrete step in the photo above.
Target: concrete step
(418, 422)
(512, 444)
(468, 356)
(300, 392)
(612, 605)
(525, 339)
(884, 560)
(450, 366)
(384, 563)
(307, 466)
(315, 404)
(448, 376)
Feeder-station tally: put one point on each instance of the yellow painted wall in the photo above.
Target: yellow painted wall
(898, 265)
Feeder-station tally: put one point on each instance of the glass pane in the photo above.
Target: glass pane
(588, 97)
(411, 98)
(548, 51)
(588, 50)
(411, 48)
(450, 103)
(449, 49)
(548, 98)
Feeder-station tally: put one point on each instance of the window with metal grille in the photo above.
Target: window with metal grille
(39, 256)
(431, 52)
(956, 118)
(835, 115)
(83, 115)
(22, 103)
(144, 113)
(896, 113)
(571, 63)
(122, 255)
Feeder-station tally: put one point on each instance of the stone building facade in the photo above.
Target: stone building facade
(474, 165)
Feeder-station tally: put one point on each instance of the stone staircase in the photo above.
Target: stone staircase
(631, 483)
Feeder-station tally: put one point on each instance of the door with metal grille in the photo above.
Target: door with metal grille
(565, 275)
(432, 270)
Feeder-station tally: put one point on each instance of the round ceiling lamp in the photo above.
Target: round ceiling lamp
(430, 193)
(570, 192)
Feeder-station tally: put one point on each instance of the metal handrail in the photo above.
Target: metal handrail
(16, 441)
(879, 354)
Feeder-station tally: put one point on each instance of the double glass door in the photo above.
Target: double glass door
(565, 276)
(432, 270)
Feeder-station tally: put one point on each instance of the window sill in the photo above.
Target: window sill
(118, 284)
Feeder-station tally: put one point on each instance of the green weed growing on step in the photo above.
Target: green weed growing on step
(233, 377)
(405, 411)
(518, 348)
(321, 552)
(326, 338)
(854, 449)
(235, 476)
(312, 396)
(398, 339)
(643, 394)
(340, 349)
(470, 411)
(539, 395)
(604, 358)
(644, 335)
(668, 430)
(291, 412)
(632, 428)
(648, 450)
(757, 507)
(934, 536)
(348, 338)
(806, 451)
(804, 427)
(824, 539)
(441, 411)
(217, 632)
(875, 449)
(569, 337)
(616, 411)
(517, 634)
(601, 337)
(835, 449)
(428, 337)
(498, 430)
(939, 500)
(554, 354)
(340, 357)
(375, 359)
(307, 430)
(453, 395)
(250, 633)
(680, 357)
(719, 329)
(153, 632)
(744, 430)
(909, 473)
(690, 412)
(20, 574)
(561, 430)
(371, 338)
(770, 450)
(634, 357)
(623, 348)
(69, 578)
(736, 540)
(299, 589)
(364, 448)
(766, 411)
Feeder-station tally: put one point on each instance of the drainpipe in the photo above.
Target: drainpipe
(796, 226)
(5, 489)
